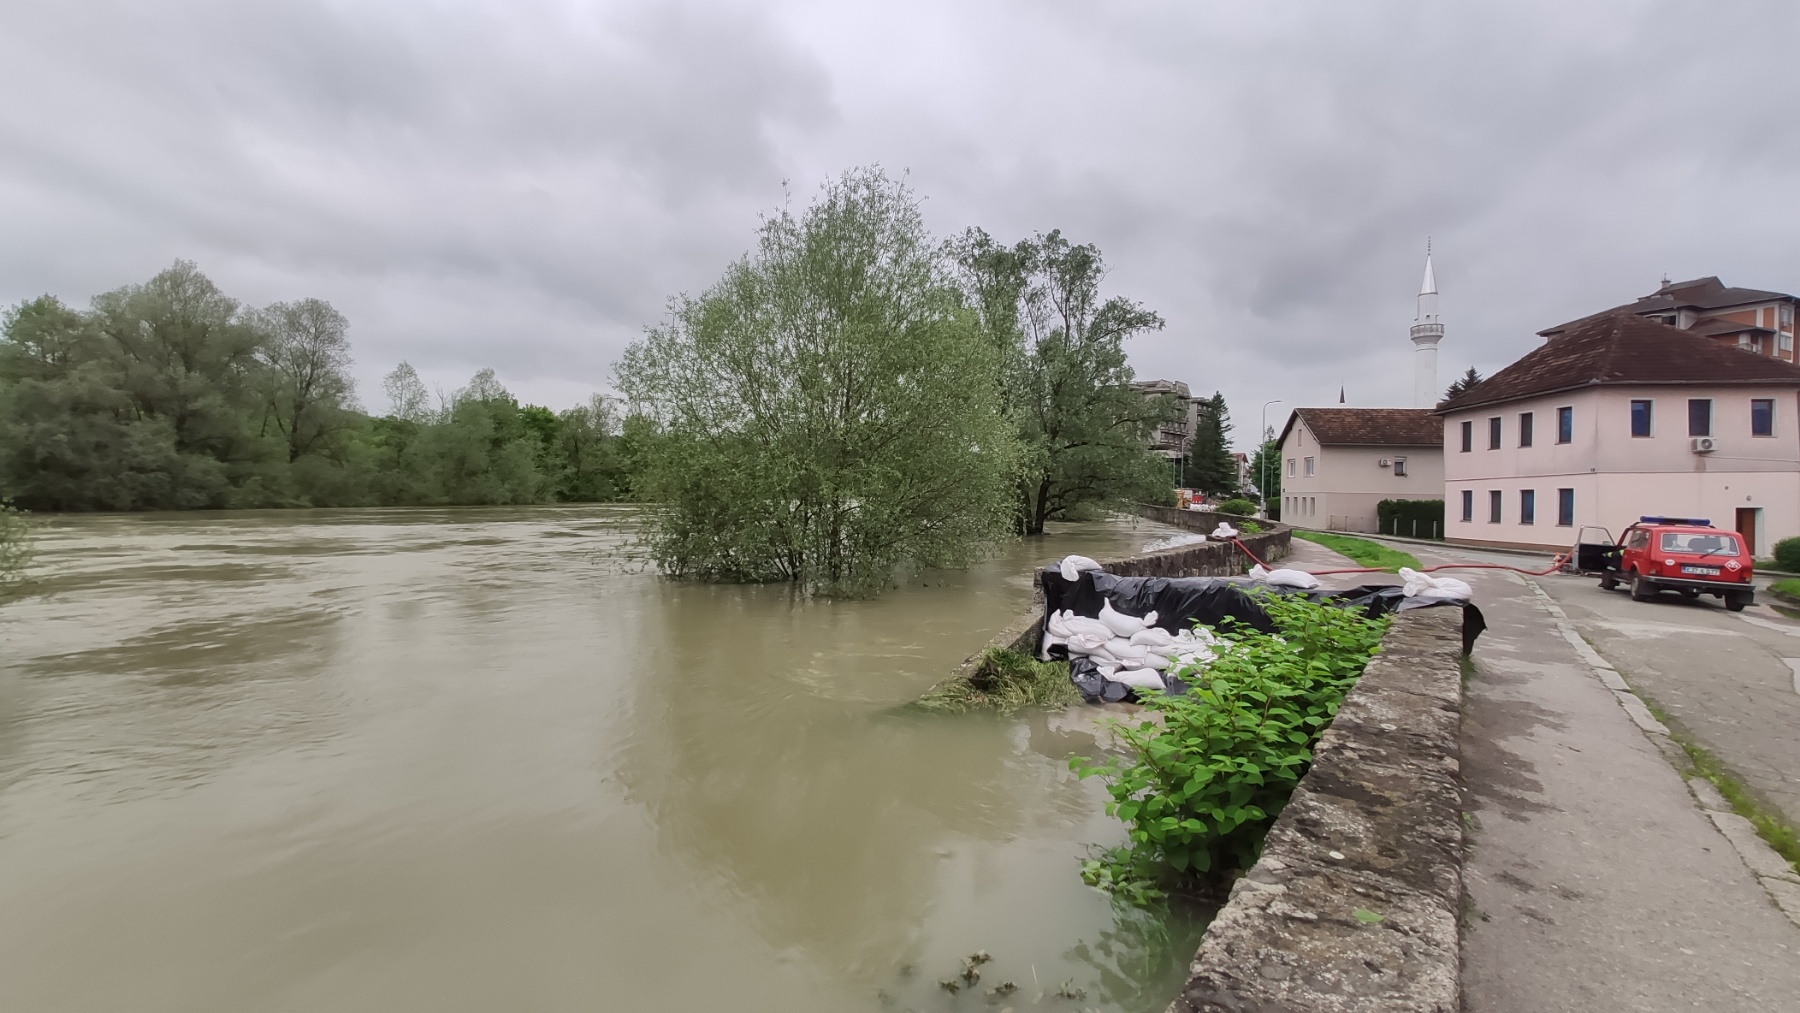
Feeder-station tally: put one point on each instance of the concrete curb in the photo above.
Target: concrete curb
(1769, 869)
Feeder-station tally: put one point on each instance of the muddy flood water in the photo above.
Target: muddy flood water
(485, 760)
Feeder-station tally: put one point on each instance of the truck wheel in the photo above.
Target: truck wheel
(1735, 602)
(1641, 590)
(1608, 582)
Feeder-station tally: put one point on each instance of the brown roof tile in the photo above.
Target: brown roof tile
(1623, 348)
(1370, 427)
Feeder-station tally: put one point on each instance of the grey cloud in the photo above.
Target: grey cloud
(523, 184)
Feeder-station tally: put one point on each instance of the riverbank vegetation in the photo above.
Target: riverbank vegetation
(1361, 551)
(1004, 681)
(172, 395)
(1199, 787)
(15, 548)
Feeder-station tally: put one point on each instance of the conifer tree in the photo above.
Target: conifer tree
(1210, 465)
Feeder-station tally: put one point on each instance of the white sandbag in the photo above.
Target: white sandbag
(1420, 585)
(1258, 573)
(1137, 678)
(1087, 643)
(1292, 578)
(1082, 624)
(1224, 532)
(1072, 566)
(1153, 637)
(1158, 661)
(1121, 624)
(1163, 650)
(1126, 651)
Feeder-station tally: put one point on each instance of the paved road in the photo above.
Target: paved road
(1595, 882)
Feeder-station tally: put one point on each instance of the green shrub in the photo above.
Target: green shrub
(1200, 787)
(15, 546)
(1411, 518)
(1787, 555)
(1240, 507)
(1249, 528)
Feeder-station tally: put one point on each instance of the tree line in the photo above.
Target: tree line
(171, 395)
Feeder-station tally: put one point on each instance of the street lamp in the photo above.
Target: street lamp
(1262, 436)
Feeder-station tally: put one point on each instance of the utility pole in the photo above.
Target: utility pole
(1262, 436)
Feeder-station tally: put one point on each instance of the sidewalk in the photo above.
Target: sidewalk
(1594, 880)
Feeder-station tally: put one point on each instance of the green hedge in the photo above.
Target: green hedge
(1240, 507)
(1787, 555)
(1411, 518)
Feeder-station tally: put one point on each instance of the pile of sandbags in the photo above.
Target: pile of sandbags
(1419, 585)
(1282, 578)
(1127, 650)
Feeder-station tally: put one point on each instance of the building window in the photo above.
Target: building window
(1786, 342)
(1700, 416)
(1468, 434)
(1787, 316)
(1565, 507)
(1762, 416)
(1524, 429)
(1565, 425)
(1494, 433)
(1640, 418)
(1312, 466)
(1527, 506)
(1399, 467)
(1468, 505)
(1493, 506)
(1290, 467)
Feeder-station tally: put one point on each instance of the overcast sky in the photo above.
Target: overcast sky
(522, 184)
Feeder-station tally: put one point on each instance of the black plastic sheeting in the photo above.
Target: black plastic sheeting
(1179, 601)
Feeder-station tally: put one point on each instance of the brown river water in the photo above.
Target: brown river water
(484, 759)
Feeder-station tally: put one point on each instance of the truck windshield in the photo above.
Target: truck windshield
(1705, 543)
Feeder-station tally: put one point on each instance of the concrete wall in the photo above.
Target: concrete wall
(1616, 477)
(1353, 906)
(1348, 482)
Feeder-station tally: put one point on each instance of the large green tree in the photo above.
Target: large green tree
(826, 410)
(1064, 382)
(1211, 468)
(1265, 471)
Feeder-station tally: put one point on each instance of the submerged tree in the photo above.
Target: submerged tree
(1064, 382)
(15, 547)
(826, 410)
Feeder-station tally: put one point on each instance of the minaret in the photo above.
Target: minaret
(1427, 331)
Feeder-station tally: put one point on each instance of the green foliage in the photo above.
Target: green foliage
(826, 410)
(1211, 468)
(1410, 518)
(1199, 788)
(1003, 681)
(16, 548)
(1789, 588)
(1466, 382)
(1787, 555)
(1238, 507)
(1063, 382)
(1249, 528)
(1362, 551)
(172, 395)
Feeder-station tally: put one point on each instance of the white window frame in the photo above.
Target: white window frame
(1312, 467)
(1399, 467)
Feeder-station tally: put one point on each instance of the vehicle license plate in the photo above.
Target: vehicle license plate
(1710, 571)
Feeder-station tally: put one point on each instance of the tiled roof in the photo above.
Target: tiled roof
(1623, 348)
(1707, 293)
(1370, 427)
(1718, 325)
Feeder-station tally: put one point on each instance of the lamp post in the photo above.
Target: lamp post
(1262, 436)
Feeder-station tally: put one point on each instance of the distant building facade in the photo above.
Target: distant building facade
(1338, 463)
(1747, 318)
(1175, 437)
(1618, 416)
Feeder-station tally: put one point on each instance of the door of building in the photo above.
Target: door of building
(1746, 526)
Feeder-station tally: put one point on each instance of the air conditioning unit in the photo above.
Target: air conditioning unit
(1383, 463)
(1705, 444)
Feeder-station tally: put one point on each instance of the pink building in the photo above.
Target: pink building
(1619, 416)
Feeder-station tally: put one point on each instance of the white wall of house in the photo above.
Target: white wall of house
(1346, 483)
(1615, 477)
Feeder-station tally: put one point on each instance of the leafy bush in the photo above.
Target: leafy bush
(1787, 555)
(1239, 507)
(1412, 518)
(1249, 528)
(1201, 785)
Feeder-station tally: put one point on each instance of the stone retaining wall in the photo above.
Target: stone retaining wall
(1354, 904)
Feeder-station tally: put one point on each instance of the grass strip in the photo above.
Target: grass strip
(1361, 550)
(1789, 589)
(1770, 824)
(1005, 681)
